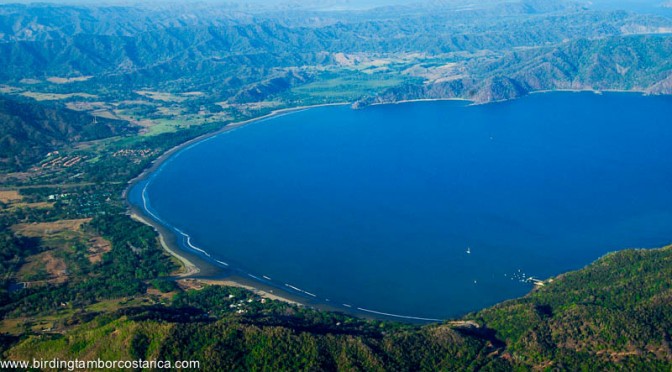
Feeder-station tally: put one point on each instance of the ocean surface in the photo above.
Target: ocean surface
(426, 209)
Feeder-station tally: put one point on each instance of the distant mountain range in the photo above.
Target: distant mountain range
(150, 76)
(122, 42)
(629, 63)
(236, 55)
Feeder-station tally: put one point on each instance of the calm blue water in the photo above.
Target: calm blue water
(376, 208)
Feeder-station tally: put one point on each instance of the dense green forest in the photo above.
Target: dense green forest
(28, 131)
(91, 96)
(171, 68)
(614, 314)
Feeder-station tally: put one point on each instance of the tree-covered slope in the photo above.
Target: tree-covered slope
(626, 63)
(614, 314)
(640, 63)
(29, 130)
(180, 71)
(122, 45)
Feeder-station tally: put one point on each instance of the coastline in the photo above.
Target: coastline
(187, 268)
(196, 267)
(198, 283)
(421, 100)
(476, 103)
(587, 90)
(156, 163)
(418, 100)
(192, 266)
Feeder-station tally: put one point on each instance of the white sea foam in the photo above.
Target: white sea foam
(300, 290)
(193, 246)
(293, 287)
(397, 315)
(145, 203)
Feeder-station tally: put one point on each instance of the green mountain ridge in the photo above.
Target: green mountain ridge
(81, 279)
(629, 63)
(148, 52)
(614, 313)
(28, 131)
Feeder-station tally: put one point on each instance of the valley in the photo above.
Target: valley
(91, 96)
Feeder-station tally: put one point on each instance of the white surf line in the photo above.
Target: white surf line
(193, 145)
(292, 287)
(276, 116)
(222, 262)
(144, 202)
(195, 247)
(300, 290)
(346, 305)
(265, 277)
(399, 316)
(191, 245)
(188, 241)
(253, 276)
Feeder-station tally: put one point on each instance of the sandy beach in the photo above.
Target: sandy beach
(195, 283)
(187, 267)
(194, 267)
(420, 100)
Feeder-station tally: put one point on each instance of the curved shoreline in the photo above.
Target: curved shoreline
(193, 266)
(204, 271)
(166, 236)
(156, 163)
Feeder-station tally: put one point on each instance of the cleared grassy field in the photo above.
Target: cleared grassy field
(162, 96)
(347, 87)
(63, 80)
(7, 196)
(49, 228)
(55, 96)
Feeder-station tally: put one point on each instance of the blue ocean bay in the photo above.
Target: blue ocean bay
(427, 209)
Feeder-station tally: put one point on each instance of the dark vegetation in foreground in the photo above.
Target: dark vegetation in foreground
(614, 314)
(85, 109)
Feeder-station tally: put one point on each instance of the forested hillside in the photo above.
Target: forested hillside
(28, 131)
(627, 63)
(614, 314)
(92, 95)
(111, 52)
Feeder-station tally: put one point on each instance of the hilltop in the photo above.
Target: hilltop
(91, 96)
(613, 314)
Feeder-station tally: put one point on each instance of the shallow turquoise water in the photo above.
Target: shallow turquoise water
(376, 208)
